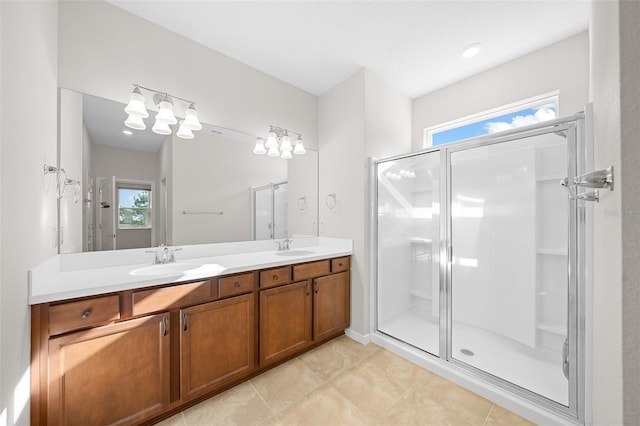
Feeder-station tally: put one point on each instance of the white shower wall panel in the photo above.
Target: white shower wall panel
(493, 225)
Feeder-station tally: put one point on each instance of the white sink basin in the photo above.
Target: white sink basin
(165, 269)
(294, 253)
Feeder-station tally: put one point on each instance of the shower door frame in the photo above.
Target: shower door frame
(579, 249)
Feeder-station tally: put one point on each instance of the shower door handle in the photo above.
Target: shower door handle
(565, 358)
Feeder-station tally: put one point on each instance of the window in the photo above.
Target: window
(523, 113)
(134, 208)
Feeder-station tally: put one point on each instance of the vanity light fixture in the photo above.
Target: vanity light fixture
(165, 116)
(278, 144)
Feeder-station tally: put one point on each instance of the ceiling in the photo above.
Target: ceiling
(415, 46)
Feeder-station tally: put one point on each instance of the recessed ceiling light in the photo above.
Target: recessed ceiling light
(127, 132)
(471, 50)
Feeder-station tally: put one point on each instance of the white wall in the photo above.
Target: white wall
(361, 117)
(302, 175)
(104, 50)
(563, 65)
(607, 266)
(29, 89)
(205, 180)
(71, 138)
(124, 164)
(630, 192)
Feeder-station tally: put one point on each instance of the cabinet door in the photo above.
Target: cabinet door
(285, 321)
(113, 374)
(330, 305)
(216, 344)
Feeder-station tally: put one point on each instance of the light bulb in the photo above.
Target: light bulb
(135, 122)
(285, 145)
(165, 114)
(161, 128)
(136, 104)
(191, 118)
(184, 132)
(273, 152)
(286, 155)
(272, 141)
(299, 148)
(259, 149)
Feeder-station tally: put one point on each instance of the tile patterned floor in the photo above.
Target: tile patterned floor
(345, 383)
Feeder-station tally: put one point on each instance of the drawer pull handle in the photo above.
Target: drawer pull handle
(184, 320)
(237, 284)
(86, 314)
(308, 288)
(165, 328)
(275, 277)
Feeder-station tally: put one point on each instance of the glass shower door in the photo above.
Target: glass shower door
(508, 267)
(408, 230)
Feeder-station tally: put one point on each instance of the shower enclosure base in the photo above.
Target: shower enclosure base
(532, 411)
(476, 347)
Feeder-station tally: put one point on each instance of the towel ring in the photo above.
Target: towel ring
(331, 201)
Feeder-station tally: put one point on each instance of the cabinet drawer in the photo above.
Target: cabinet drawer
(274, 277)
(176, 296)
(84, 313)
(310, 270)
(236, 284)
(340, 264)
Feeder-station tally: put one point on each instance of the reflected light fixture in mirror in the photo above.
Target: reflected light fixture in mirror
(165, 118)
(279, 144)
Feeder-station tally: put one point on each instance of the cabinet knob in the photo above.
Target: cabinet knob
(340, 265)
(236, 284)
(275, 277)
(86, 314)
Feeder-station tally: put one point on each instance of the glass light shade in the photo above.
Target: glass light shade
(259, 149)
(299, 148)
(191, 119)
(184, 132)
(273, 152)
(136, 104)
(272, 141)
(165, 114)
(286, 155)
(161, 128)
(285, 145)
(135, 122)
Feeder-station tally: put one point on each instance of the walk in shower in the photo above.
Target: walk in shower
(480, 259)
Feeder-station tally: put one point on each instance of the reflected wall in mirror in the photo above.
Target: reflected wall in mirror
(141, 189)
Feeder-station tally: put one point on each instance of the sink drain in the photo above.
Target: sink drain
(466, 352)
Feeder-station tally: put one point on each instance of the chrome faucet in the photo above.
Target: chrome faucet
(284, 244)
(164, 254)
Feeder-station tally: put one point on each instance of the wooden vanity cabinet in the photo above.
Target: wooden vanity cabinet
(136, 356)
(331, 305)
(295, 316)
(285, 321)
(110, 374)
(216, 344)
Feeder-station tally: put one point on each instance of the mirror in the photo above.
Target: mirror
(141, 189)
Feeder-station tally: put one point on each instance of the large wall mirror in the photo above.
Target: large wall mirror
(140, 189)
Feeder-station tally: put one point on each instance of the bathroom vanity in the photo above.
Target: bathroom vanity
(160, 344)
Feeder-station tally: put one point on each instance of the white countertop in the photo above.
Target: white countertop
(69, 276)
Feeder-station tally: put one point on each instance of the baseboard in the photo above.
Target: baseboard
(360, 338)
